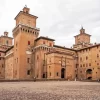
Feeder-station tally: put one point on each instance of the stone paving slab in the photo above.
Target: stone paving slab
(52, 90)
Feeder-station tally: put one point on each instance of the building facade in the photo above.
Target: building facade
(33, 56)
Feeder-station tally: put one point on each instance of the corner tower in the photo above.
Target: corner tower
(24, 33)
(82, 40)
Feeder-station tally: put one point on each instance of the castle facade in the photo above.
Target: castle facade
(33, 56)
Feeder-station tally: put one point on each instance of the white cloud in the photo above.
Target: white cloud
(59, 19)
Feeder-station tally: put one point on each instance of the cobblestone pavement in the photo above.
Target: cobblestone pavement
(52, 90)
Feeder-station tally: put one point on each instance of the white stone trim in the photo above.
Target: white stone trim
(8, 54)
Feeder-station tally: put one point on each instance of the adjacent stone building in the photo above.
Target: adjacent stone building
(33, 56)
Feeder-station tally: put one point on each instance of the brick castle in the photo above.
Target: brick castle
(32, 56)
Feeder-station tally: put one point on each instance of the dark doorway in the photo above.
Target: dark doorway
(43, 75)
(62, 73)
(89, 78)
(89, 74)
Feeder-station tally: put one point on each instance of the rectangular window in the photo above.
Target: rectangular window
(2, 65)
(50, 73)
(57, 73)
(77, 65)
(17, 60)
(76, 75)
(28, 60)
(16, 44)
(28, 42)
(28, 72)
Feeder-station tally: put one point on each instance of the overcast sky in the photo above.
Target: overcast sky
(58, 19)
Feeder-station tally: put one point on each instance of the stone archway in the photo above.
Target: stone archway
(89, 74)
(63, 73)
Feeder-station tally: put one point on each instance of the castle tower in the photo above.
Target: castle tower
(25, 32)
(82, 39)
(6, 33)
(5, 40)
